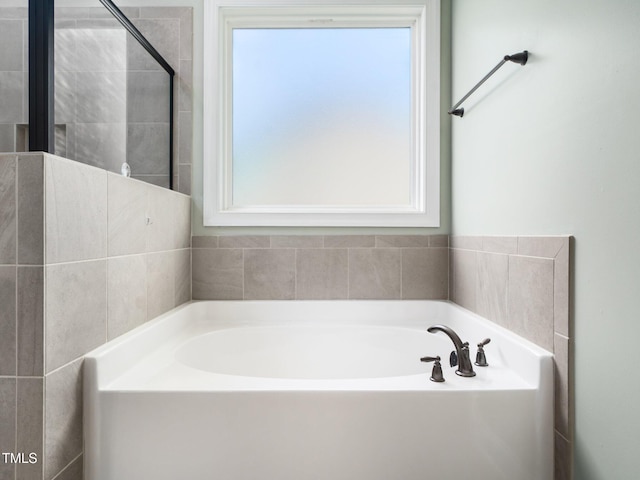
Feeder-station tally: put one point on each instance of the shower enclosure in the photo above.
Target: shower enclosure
(85, 84)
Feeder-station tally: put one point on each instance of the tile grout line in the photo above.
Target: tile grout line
(57, 475)
(507, 293)
(106, 266)
(243, 275)
(348, 274)
(295, 273)
(401, 282)
(15, 313)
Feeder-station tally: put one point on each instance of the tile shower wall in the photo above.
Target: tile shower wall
(170, 31)
(522, 283)
(91, 89)
(91, 255)
(320, 267)
(13, 75)
(90, 79)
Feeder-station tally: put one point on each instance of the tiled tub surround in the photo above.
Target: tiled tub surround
(320, 267)
(522, 283)
(90, 79)
(85, 255)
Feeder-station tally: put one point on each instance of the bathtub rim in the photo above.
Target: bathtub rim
(107, 363)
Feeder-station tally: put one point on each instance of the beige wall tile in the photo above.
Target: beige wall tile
(7, 320)
(148, 148)
(425, 273)
(63, 417)
(31, 209)
(102, 145)
(244, 241)
(169, 225)
(160, 283)
(75, 211)
(269, 274)
(73, 471)
(126, 217)
(164, 34)
(561, 349)
(563, 462)
(163, 12)
(12, 92)
(439, 240)
(82, 12)
(296, 241)
(182, 276)
(402, 241)
(157, 180)
(204, 242)
(374, 273)
(162, 212)
(185, 178)
(321, 274)
(8, 215)
(182, 220)
(126, 294)
(7, 423)
(463, 271)
(11, 32)
(77, 323)
(186, 34)
(30, 321)
(147, 98)
(185, 90)
(7, 137)
(30, 425)
(530, 302)
(466, 242)
(349, 241)
(561, 287)
(537, 292)
(491, 289)
(12, 89)
(75, 310)
(547, 247)
(218, 274)
(13, 12)
(185, 134)
(500, 244)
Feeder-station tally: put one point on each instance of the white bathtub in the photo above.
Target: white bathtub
(328, 390)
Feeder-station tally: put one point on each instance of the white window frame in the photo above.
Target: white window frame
(422, 16)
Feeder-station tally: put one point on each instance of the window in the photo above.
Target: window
(322, 115)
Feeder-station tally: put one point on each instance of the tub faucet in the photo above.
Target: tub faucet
(465, 369)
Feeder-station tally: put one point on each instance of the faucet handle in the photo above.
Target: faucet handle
(436, 373)
(430, 359)
(481, 359)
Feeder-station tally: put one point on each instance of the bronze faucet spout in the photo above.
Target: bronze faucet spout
(465, 369)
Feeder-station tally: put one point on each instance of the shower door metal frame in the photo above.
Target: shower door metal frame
(41, 76)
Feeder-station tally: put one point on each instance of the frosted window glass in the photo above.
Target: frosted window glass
(321, 116)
